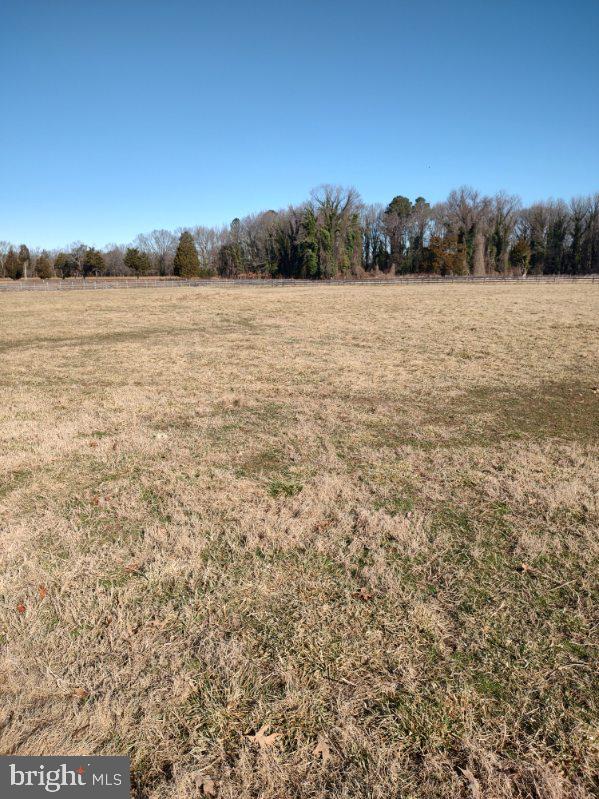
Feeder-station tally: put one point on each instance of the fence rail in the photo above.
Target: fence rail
(90, 284)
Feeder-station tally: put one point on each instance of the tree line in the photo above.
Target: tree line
(335, 234)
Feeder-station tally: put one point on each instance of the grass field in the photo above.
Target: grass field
(312, 542)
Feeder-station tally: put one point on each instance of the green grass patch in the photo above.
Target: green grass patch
(280, 488)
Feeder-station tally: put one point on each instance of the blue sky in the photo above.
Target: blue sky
(120, 116)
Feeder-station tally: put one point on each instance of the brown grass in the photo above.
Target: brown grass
(365, 517)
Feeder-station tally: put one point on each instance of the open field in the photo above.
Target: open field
(365, 517)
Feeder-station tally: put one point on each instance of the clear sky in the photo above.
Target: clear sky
(120, 116)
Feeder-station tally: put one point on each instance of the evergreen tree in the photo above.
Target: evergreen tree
(65, 264)
(445, 255)
(13, 266)
(520, 256)
(230, 260)
(186, 263)
(43, 267)
(144, 265)
(309, 244)
(354, 245)
(396, 221)
(137, 261)
(93, 262)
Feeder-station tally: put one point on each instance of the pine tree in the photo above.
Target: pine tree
(65, 265)
(43, 267)
(137, 261)
(186, 263)
(13, 266)
(93, 262)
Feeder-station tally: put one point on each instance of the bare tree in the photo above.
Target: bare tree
(558, 232)
(337, 211)
(468, 215)
(504, 212)
(591, 237)
(161, 246)
(375, 238)
(114, 259)
(5, 247)
(418, 233)
(532, 225)
(207, 241)
(580, 211)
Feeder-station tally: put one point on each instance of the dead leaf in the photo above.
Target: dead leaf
(21, 608)
(95, 500)
(41, 589)
(208, 787)
(204, 783)
(363, 594)
(133, 568)
(262, 739)
(473, 782)
(80, 693)
(322, 748)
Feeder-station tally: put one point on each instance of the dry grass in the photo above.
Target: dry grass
(307, 509)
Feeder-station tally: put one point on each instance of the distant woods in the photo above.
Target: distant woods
(335, 234)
